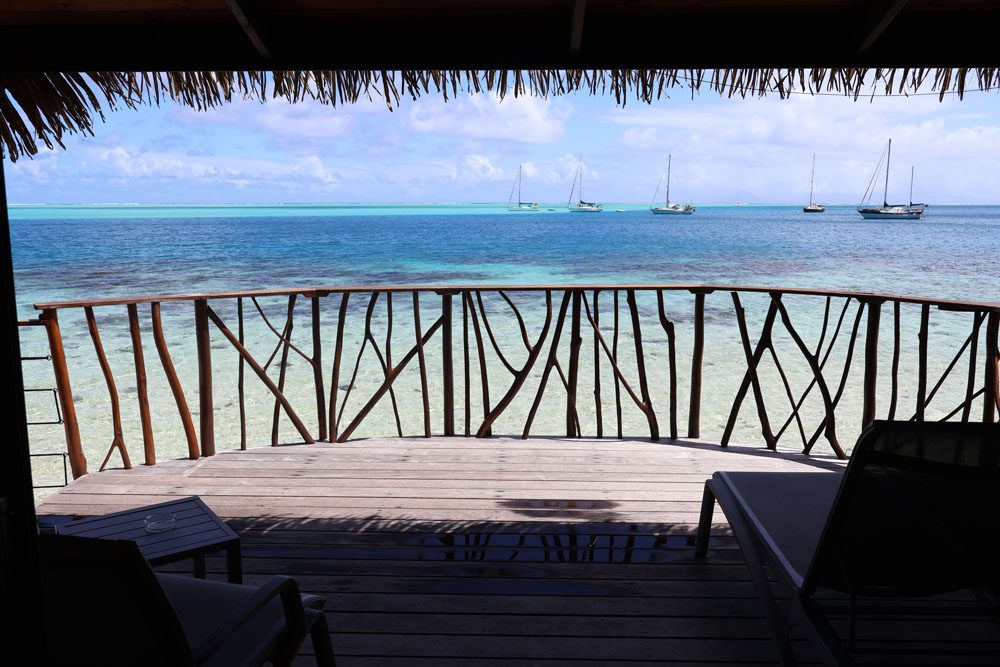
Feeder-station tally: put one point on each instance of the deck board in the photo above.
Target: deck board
(458, 551)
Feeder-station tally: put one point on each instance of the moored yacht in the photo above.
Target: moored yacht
(520, 205)
(813, 207)
(669, 208)
(889, 211)
(581, 206)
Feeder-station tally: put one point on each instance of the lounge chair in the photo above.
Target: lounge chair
(104, 605)
(916, 513)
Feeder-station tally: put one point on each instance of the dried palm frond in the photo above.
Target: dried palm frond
(43, 107)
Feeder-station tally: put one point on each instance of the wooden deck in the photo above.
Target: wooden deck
(456, 551)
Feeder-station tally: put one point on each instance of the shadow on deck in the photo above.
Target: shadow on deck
(455, 551)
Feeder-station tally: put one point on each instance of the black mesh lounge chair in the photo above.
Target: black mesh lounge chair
(104, 605)
(915, 514)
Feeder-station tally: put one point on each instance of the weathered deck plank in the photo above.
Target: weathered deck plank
(458, 551)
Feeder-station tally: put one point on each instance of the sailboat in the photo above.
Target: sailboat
(886, 212)
(520, 205)
(813, 207)
(668, 207)
(581, 206)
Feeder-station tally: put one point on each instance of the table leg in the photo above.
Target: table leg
(234, 563)
(199, 567)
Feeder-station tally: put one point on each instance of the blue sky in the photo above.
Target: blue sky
(468, 150)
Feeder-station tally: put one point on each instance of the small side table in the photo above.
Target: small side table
(198, 532)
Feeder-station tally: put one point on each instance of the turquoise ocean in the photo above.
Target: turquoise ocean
(85, 252)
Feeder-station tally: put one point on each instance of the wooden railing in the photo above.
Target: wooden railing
(543, 333)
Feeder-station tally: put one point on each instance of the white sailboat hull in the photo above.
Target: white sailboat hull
(672, 210)
(587, 208)
(523, 207)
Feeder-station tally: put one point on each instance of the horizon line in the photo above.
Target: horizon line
(404, 204)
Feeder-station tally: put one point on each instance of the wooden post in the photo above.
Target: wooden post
(77, 460)
(574, 366)
(206, 405)
(118, 440)
(694, 412)
(668, 328)
(871, 361)
(466, 381)
(173, 380)
(423, 364)
(640, 362)
(614, 364)
(285, 344)
(895, 360)
(317, 364)
(925, 313)
(970, 386)
(481, 355)
(597, 367)
(448, 370)
(338, 352)
(991, 389)
(240, 379)
(148, 445)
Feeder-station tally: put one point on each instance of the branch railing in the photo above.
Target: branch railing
(508, 368)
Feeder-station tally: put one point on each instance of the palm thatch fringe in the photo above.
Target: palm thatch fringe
(43, 107)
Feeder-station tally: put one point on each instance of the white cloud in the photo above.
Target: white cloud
(480, 168)
(523, 119)
(303, 120)
(40, 169)
(133, 164)
(313, 167)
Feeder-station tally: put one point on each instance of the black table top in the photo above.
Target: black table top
(197, 529)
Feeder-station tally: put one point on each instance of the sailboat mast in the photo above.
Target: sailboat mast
(576, 175)
(581, 178)
(812, 179)
(885, 193)
(911, 186)
(667, 202)
(518, 185)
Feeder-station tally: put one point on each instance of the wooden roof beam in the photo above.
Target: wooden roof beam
(248, 15)
(875, 18)
(576, 28)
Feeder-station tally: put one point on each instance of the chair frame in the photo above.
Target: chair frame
(801, 610)
(125, 557)
(299, 622)
(758, 550)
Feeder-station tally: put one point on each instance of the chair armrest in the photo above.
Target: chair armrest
(291, 602)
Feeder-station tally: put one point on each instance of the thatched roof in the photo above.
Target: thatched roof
(64, 63)
(41, 108)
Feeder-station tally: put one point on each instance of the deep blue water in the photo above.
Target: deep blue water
(63, 252)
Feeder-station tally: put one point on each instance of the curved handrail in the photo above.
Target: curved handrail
(705, 288)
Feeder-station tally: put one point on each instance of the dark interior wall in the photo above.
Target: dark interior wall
(20, 603)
